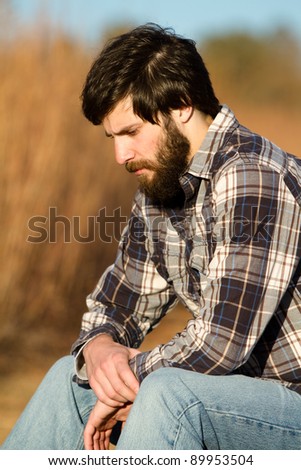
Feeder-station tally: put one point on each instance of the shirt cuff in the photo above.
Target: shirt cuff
(137, 364)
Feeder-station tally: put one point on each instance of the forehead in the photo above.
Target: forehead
(121, 116)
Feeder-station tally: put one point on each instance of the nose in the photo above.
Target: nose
(123, 153)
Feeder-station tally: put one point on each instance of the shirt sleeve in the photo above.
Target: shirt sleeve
(131, 296)
(255, 243)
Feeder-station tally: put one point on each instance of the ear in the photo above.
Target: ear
(182, 115)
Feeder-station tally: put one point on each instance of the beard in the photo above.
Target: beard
(171, 162)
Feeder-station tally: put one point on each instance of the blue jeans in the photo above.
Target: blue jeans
(174, 409)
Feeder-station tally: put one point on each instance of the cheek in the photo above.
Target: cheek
(147, 148)
(148, 141)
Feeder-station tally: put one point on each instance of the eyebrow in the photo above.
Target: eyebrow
(125, 130)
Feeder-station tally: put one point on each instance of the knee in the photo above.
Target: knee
(154, 400)
(157, 381)
(165, 378)
(158, 388)
(63, 368)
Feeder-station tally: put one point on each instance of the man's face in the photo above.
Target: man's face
(156, 153)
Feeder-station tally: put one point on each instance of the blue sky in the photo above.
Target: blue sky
(197, 19)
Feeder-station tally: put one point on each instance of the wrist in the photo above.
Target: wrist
(103, 338)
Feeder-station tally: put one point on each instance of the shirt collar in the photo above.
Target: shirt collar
(217, 135)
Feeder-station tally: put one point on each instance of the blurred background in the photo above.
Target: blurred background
(64, 200)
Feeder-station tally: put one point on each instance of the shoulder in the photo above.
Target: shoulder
(252, 153)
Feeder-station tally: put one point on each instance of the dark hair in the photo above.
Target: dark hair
(160, 70)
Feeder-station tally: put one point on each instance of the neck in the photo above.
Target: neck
(196, 129)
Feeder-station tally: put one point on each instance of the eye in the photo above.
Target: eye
(133, 132)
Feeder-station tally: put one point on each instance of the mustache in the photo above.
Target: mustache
(131, 167)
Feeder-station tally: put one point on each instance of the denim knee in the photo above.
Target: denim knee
(65, 363)
(63, 368)
(161, 389)
(159, 381)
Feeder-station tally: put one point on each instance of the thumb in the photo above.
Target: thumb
(133, 352)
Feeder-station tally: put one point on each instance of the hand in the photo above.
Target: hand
(100, 424)
(108, 370)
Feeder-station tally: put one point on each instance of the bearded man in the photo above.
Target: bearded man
(215, 225)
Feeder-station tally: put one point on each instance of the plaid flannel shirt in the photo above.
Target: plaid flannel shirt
(231, 255)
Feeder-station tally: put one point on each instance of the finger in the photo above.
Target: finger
(122, 379)
(119, 385)
(107, 439)
(97, 440)
(104, 390)
(130, 380)
(88, 437)
(102, 441)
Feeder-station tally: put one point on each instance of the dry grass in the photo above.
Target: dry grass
(51, 157)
